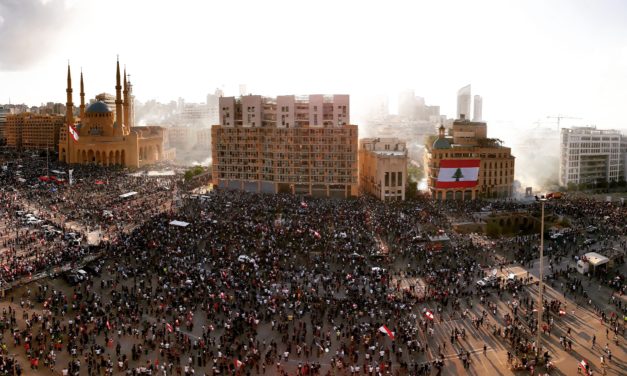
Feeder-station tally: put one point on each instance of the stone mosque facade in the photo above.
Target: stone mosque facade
(108, 137)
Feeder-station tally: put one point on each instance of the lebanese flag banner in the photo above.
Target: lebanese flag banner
(73, 132)
(429, 315)
(169, 327)
(108, 325)
(384, 329)
(458, 173)
(237, 363)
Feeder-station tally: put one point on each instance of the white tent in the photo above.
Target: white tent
(596, 259)
(127, 195)
(179, 223)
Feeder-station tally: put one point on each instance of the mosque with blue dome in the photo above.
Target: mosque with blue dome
(108, 137)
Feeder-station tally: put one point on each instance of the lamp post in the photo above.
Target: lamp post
(540, 304)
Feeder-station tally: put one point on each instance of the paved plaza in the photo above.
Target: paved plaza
(254, 284)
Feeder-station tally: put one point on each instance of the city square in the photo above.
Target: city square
(337, 188)
(272, 284)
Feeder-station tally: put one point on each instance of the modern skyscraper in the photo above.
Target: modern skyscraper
(463, 102)
(477, 114)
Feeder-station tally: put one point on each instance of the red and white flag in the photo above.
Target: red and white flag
(429, 315)
(237, 363)
(73, 132)
(169, 327)
(384, 329)
(108, 325)
(304, 204)
(458, 173)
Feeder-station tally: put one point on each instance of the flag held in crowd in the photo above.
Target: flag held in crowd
(385, 330)
(73, 132)
(429, 315)
(237, 363)
(169, 327)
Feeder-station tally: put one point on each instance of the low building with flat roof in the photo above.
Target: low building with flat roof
(383, 168)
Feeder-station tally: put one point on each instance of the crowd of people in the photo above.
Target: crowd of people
(253, 284)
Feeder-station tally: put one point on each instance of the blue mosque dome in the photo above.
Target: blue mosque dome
(442, 143)
(99, 107)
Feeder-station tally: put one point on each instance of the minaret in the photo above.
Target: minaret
(118, 100)
(126, 101)
(69, 106)
(82, 98)
(441, 131)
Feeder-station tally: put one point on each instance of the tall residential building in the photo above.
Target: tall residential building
(407, 104)
(468, 165)
(33, 131)
(623, 158)
(213, 106)
(477, 114)
(463, 102)
(300, 145)
(195, 115)
(4, 111)
(589, 155)
(383, 168)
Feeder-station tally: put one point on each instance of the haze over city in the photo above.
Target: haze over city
(528, 59)
(363, 188)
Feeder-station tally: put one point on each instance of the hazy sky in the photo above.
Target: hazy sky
(528, 59)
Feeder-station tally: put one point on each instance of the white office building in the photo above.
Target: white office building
(589, 155)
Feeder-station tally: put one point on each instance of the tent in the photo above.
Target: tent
(179, 223)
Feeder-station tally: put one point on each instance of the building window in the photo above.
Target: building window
(387, 180)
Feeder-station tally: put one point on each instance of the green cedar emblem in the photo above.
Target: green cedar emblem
(458, 174)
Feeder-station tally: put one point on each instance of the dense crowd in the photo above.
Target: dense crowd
(256, 284)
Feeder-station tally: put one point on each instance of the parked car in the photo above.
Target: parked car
(93, 268)
(72, 278)
(489, 281)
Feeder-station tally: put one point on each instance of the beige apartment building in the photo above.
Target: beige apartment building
(298, 145)
(468, 165)
(383, 168)
(32, 131)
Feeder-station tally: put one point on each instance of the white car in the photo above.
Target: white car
(487, 281)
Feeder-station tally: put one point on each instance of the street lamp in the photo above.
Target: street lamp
(542, 201)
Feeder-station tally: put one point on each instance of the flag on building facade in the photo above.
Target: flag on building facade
(458, 173)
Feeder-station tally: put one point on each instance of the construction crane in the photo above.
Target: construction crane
(560, 117)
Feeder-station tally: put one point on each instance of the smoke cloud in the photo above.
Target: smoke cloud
(29, 30)
(536, 151)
